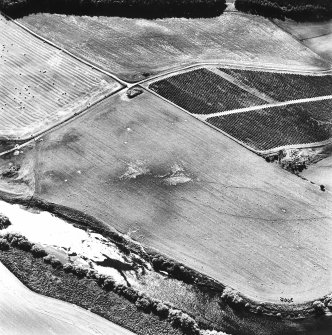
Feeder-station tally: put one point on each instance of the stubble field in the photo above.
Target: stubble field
(40, 85)
(183, 188)
(134, 48)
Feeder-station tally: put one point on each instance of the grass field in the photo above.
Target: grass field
(204, 92)
(25, 312)
(183, 188)
(274, 127)
(133, 48)
(284, 86)
(40, 85)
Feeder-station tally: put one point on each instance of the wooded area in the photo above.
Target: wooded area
(298, 10)
(126, 8)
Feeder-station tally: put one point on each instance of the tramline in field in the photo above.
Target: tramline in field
(279, 126)
(204, 92)
(284, 86)
(40, 85)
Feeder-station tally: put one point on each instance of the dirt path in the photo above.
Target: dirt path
(25, 312)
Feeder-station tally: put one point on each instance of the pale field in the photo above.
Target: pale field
(320, 173)
(316, 36)
(131, 48)
(177, 185)
(40, 85)
(25, 312)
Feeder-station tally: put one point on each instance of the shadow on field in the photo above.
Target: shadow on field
(147, 9)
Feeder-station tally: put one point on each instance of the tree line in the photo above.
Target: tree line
(298, 10)
(125, 8)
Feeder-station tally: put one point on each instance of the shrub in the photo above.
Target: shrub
(232, 297)
(14, 241)
(56, 263)
(4, 222)
(38, 251)
(100, 279)
(8, 237)
(79, 271)
(24, 244)
(4, 245)
(162, 310)
(92, 274)
(47, 259)
(109, 284)
(319, 307)
(143, 304)
(68, 268)
(130, 294)
(52, 260)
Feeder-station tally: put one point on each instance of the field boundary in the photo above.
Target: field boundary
(35, 137)
(231, 65)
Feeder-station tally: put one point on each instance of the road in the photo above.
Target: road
(25, 312)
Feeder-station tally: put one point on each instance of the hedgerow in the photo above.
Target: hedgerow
(127, 8)
(298, 10)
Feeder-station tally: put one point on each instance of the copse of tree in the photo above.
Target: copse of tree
(298, 10)
(126, 8)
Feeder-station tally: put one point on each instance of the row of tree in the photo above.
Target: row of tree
(125, 8)
(298, 10)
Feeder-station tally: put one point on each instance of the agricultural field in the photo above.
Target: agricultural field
(36, 314)
(284, 86)
(315, 35)
(273, 127)
(321, 172)
(40, 85)
(136, 48)
(174, 184)
(204, 92)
